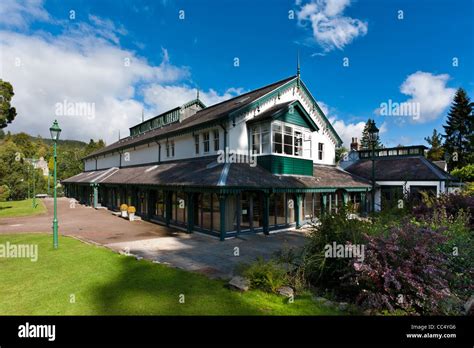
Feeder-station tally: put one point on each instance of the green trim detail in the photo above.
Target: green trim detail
(299, 118)
(286, 165)
(331, 128)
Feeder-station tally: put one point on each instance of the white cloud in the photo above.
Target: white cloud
(167, 97)
(18, 14)
(430, 91)
(347, 131)
(86, 64)
(331, 29)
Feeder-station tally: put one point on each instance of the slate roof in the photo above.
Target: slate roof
(206, 172)
(205, 116)
(410, 168)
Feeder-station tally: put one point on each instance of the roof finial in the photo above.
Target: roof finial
(119, 134)
(197, 93)
(143, 115)
(298, 67)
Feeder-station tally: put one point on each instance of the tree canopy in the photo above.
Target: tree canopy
(7, 112)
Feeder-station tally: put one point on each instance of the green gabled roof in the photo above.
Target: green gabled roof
(283, 112)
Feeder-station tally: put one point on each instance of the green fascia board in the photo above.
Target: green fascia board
(286, 165)
(331, 128)
(357, 189)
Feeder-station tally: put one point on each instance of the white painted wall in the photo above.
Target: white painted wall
(238, 140)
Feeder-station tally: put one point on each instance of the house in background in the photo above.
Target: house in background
(398, 172)
(263, 161)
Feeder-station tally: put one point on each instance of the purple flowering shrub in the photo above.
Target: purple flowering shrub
(452, 203)
(403, 270)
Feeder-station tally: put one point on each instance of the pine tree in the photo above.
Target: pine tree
(436, 152)
(459, 130)
(365, 141)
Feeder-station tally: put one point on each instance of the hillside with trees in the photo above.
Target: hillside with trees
(16, 170)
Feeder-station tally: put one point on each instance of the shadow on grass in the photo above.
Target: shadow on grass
(144, 288)
(7, 207)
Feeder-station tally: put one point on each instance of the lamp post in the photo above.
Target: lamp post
(373, 137)
(55, 131)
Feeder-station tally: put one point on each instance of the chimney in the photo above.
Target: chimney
(355, 144)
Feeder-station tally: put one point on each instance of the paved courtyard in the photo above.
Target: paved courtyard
(194, 252)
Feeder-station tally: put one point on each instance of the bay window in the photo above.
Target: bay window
(277, 138)
(260, 139)
(290, 140)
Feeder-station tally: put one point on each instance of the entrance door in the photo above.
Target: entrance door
(251, 207)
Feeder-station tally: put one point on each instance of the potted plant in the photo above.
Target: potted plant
(131, 212)
(123, 209)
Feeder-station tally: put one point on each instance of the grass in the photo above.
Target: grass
(105, 283)
(21, 208)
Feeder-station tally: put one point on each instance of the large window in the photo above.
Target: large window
(207, 214)
(260, 139)
(320, 151)
(178, 207)
(288, 140)
(277, 138)
(256, 140)
(160, 205)
(196, 144)
(298, 143)
(205, 142)
(216, 140)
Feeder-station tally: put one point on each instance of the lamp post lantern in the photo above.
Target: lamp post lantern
(373, 137)
(55, 131)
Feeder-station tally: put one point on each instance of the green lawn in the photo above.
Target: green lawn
(106, 283)
(21, 208)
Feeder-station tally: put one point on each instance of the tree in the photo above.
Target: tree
(7, 112)
(436, 152)
(459, 130)
(465, 174)
(340, 151)
(365, 141)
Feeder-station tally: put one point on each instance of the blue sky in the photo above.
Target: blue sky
(80, 59)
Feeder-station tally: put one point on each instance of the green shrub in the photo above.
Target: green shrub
(465, 173)
(321, 271)
(4, 193)
(265, 275)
